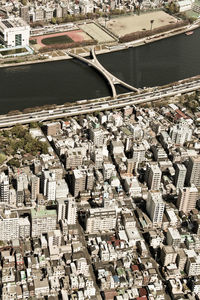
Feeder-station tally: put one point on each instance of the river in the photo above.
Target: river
(157, 63)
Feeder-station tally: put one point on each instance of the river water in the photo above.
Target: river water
(58, 82)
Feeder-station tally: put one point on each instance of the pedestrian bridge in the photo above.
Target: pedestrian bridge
(112, 80)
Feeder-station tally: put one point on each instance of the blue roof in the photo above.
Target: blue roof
(116, 278)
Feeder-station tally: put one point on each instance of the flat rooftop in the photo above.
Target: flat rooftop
(12, 23)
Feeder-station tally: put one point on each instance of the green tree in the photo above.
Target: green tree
(13, 163)
(33, 125)
(24, 2)
(2, 158)
(53, 20)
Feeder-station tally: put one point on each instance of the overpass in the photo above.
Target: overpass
(112, 80)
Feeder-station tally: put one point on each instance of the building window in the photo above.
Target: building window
(18, 40)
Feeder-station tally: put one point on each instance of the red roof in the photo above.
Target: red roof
(109, 295)
(180, 113)
(142, 292)
(141, 298)
(135, 268)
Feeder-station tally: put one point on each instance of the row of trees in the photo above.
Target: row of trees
(65, 46)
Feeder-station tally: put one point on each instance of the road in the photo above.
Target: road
(99, 105)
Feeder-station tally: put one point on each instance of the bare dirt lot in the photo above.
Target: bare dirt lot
(128, 24)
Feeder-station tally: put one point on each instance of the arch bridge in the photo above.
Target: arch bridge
(112, 80)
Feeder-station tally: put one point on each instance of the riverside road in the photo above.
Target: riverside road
(62, 111)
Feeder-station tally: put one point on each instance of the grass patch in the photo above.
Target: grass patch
(62, 39)
(13, 51)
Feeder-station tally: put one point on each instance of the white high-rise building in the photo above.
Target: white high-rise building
(101, 219)
(9, 225)
(4, 188)
(49, 185)
(193, 171)
(138, 153)
(180, 175)
(155, 207)
(14, 32)
(180, 133)
(24, 228)
(22, 182)
(71, 212)
(35, 187)
(62, 189)
(97, 136)
(153, 177)
(187, 199)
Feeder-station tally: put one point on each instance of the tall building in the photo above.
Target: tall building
(24, 228)
(61, 209)
(97, 136)
(168, 255)
(22, 182)
(62, 189)
(81, 180)
(155, 207)
(14, 32)
(193, 171)
(53, 128)
(78, 181)
(49, 185)
(138, 153)
(180, 133)
(180, 174)
(24, 13)
(9, 225)
(187, 199)
(54, 238)
(101, 219)
(35, 187)
(67, 210)
(90, 180)
(71, 212)
(42, 220)
(153, 177)
(4, 188)
(173, 237)
(74, 158)
(98, 158)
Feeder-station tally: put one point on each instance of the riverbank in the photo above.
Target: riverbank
(157, 64)
(102, 49)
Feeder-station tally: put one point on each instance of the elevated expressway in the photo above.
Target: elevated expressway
(112, 80)
(98, 105)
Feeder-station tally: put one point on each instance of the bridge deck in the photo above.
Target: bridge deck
(112, 80)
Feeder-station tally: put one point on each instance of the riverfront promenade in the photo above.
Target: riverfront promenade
(99, 105)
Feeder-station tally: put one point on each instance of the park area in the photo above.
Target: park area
(128, 24)
(68, 37)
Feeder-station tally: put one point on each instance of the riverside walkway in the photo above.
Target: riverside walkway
(112, 80)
